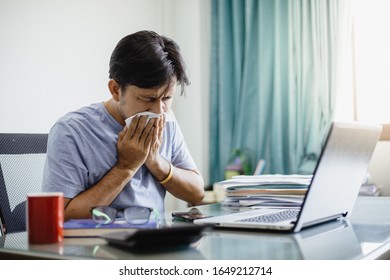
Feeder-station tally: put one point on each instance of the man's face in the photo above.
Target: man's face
(156, 100)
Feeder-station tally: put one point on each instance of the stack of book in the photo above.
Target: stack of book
(89, 228)
(275, 191)
(370, 189)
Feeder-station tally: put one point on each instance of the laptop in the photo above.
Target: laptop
(332, 193)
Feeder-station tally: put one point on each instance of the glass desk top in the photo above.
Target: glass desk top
(366, 235)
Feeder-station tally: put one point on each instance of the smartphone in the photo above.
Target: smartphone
(189, 216)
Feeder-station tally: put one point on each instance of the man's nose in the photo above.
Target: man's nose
(158, 107)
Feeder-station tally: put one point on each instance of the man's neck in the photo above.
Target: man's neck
(112, 108)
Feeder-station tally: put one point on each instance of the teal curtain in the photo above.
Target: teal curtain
(273, 80)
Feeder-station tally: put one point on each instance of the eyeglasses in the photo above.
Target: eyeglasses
(136, 215)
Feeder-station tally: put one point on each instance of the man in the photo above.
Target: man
(95, 159)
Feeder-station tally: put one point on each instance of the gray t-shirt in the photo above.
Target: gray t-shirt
(82, 148)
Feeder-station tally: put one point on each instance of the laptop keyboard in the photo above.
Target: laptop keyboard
(273, 217)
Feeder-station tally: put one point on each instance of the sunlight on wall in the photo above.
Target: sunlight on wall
(364, 93)
(372, 58)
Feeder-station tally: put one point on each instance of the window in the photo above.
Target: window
(371, 53)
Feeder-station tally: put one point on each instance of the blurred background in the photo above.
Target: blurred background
(267, 77)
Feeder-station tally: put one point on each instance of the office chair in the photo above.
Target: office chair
(22, 159)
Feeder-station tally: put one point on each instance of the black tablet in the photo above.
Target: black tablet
(166, 237)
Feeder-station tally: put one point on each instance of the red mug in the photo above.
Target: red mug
(45, 218)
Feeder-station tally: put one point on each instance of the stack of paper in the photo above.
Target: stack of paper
(277, 191)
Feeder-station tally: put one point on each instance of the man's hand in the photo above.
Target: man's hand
(134, 143)
(156, 142)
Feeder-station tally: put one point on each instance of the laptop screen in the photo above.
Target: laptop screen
(339, 172)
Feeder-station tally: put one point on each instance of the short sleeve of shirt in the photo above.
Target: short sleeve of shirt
(64, 168)
(181, 157)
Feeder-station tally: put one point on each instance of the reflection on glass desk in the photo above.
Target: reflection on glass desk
(366, 235)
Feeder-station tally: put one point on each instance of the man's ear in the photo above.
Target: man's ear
(114, 89)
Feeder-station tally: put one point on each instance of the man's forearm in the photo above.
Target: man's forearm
(187, 185)
(101, 194)
(184, 184)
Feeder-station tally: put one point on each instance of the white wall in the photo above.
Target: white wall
(54, 58)
(54, 55)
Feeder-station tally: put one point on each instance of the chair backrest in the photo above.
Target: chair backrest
(22, 159)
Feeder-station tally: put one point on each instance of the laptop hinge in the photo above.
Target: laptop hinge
(323, 220)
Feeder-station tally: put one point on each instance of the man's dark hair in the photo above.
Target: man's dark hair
(147, 60)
